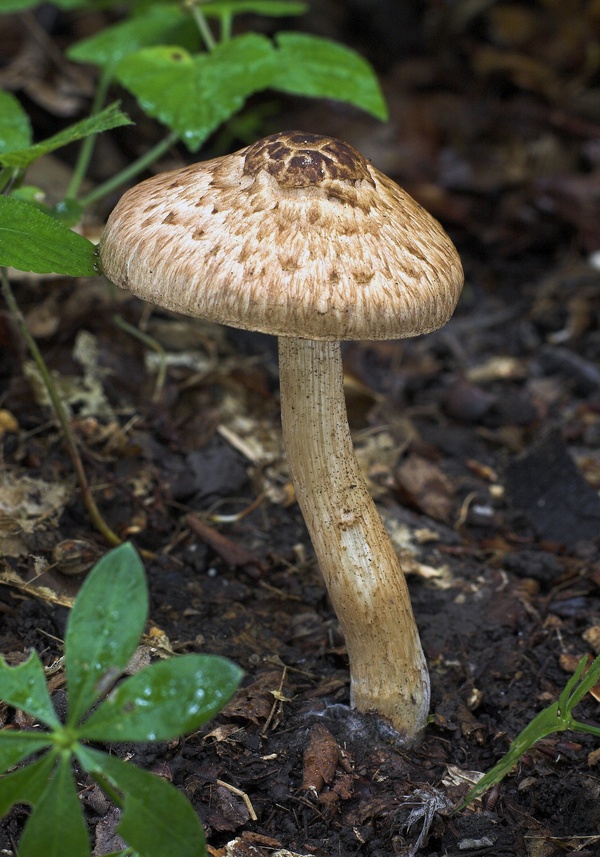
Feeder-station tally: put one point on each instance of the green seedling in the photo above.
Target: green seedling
(558, 717)
(162, 701)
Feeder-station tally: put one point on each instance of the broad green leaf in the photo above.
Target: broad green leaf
(165, 700)
(111, 117)
(33, 241)
(27, 785)
(160, 24)
(104, 627)
(15, 128)
(310, 65)
(24, 686)
(16, 746)
(268, 8)
(157, 820)
(56, 827)
(193, 95)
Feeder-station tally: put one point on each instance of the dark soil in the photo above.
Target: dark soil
(481, 443)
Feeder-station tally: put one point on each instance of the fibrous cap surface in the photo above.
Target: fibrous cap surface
(296, 235)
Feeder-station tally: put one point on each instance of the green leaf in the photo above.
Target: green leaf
(27, 785)
(29, 193)
(193, 95)
(557, 717)
(24, 686)
(16, 746)
(32, 241)
(160, 24)
(309, 65)
(68, 211)
(16, 5)
(56, 827)
(592, 676)
(19, 5)
(268, 8)
(15, 128)
(110, 117)
(165, 700)
(157, 820)
(104, 627)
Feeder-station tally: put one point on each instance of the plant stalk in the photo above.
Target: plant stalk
(87, 147)
(202, 24)
(135, 168)
(60, 413)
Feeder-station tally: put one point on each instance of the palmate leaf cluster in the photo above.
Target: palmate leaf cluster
(160, 702)
(181, 76)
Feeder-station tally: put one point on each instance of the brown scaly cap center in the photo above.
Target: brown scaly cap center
(297, 159)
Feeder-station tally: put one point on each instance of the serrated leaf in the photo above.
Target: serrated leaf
(157, 820)
(24, 686)
(33, 241)
(310, 65)
(268, 8)
(165, 700)
(27, 785)
(104, 627)
(15, 127)
(111, 117)
(160, 24)
(17, 746)
(193, 95)
(56, 827)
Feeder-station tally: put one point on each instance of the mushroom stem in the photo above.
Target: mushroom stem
(356, 556)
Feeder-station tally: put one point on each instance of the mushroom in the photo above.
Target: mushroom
(299, 236)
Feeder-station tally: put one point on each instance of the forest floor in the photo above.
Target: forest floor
(480, 442)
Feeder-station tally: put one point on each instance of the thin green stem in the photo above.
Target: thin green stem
(60, 413)
(131, 171)
(9, 178)
(202, 24)
(87, 147)
(152, 343)
(226, 19)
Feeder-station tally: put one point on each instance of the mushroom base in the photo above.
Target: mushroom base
(361, 569)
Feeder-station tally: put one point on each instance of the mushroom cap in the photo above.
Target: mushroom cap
(295, 235)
